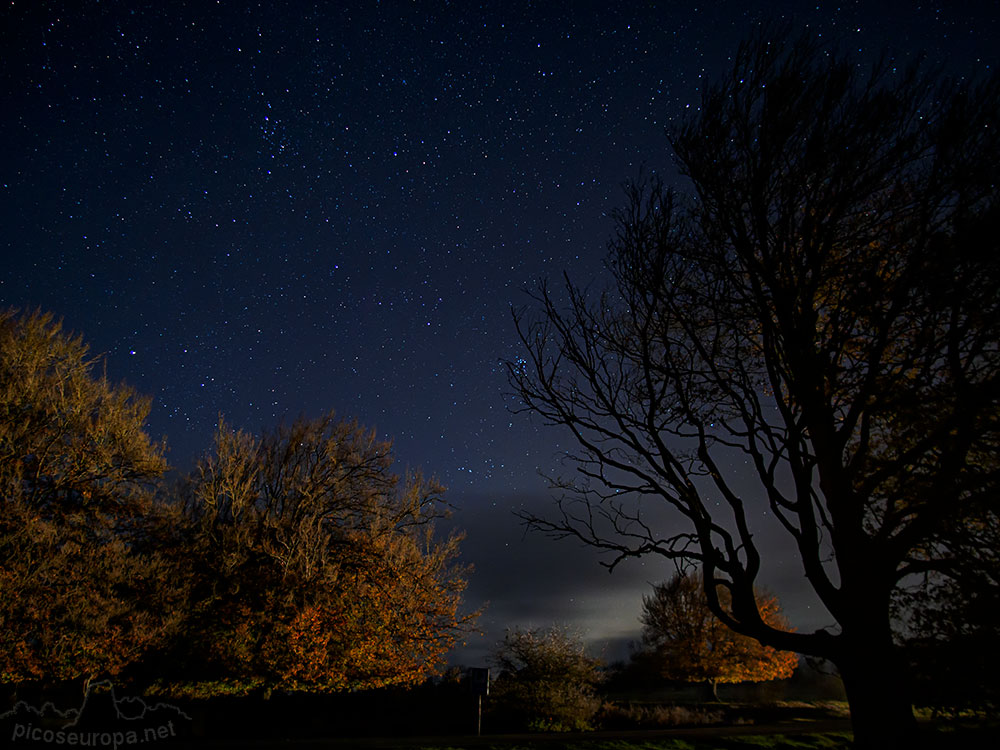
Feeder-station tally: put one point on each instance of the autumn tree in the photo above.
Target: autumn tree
(315, 566)
(685, 641)
(80, 595)
(545, 681)
(812, 329)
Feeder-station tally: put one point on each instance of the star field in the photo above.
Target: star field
(266, 210)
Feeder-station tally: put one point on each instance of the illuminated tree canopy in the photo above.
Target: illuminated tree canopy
(295, 560)
(315, 567)
(77, 470)
(684, 641)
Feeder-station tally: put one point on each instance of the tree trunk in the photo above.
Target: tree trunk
(878, 692)
(712, 690)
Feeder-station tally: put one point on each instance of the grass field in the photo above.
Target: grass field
(786, 725)
(978, 738)
(825, 741)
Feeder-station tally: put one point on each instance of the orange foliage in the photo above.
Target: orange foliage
(686, 641)
(316, 567)
(78, 597)
(297, 560)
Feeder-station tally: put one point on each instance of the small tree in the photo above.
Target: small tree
(546, 680)
(686, 642)
(81, 595)
(314, 566)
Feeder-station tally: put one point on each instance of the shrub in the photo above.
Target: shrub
(546, 681)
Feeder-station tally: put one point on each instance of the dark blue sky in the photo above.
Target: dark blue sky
(266, 210)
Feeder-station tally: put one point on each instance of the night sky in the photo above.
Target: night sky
(267, 210)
